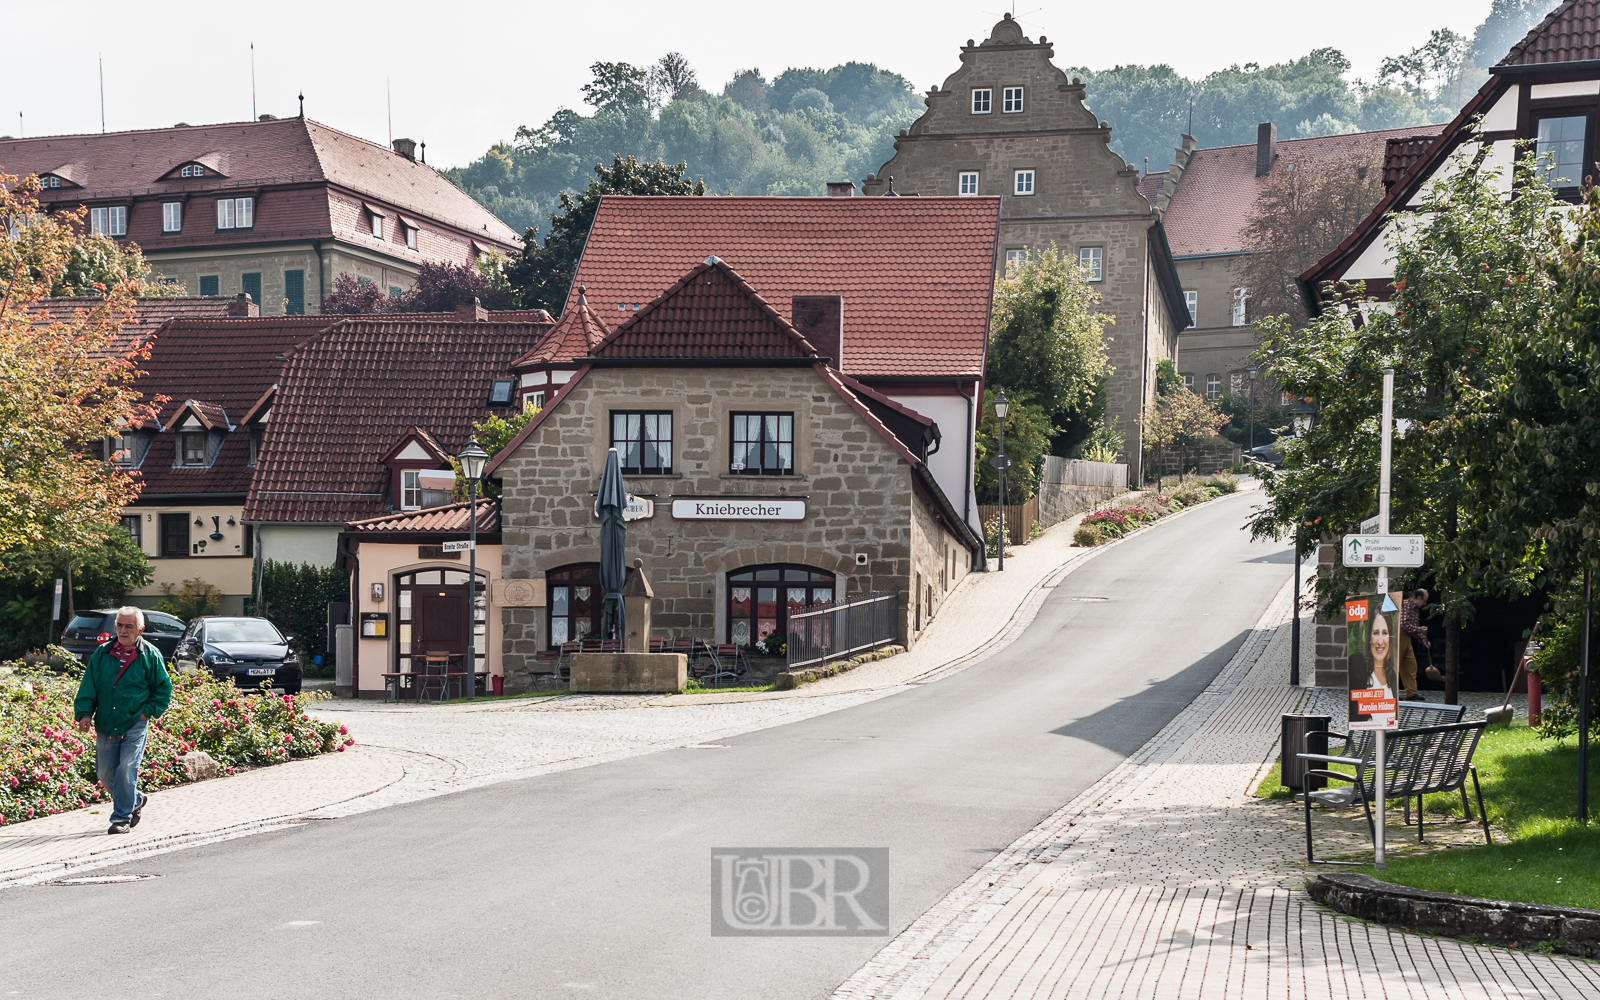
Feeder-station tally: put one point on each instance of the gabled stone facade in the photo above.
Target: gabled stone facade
(1080, 196)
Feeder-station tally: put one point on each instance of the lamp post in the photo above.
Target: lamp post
(1002, 406)
(1253, 409)
(472, 458)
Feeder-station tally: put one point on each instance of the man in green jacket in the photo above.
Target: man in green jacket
(124, 686)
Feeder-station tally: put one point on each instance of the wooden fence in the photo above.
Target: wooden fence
(1020, 519)
(1077, 472)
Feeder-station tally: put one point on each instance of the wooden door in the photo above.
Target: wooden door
(439, 620)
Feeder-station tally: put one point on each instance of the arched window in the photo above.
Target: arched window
(761, 598)
(431, 605)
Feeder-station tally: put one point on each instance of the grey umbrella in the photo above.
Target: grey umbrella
(613, 539)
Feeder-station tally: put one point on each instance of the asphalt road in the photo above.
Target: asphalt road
(596, 882)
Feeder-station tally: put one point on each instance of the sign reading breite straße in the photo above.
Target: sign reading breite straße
(739, 509)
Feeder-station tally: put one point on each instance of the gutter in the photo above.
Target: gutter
(972, 444)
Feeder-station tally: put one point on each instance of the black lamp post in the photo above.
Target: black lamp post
(1252, 408)
(472, 458)
(1002, 406)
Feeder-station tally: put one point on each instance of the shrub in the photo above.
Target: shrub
(992, 530)
(1087, 535)
(1224, 482)
(1112, 523)
(1191, 492)
(195, 598)
(296, 599)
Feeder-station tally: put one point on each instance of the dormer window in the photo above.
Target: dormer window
(377, 226)
(236, 213)
(1560, 143)
(192, 170)
(192, 449)
(49, 181)
(256, 434)
(411, 237)
(410, 492)
(122, 448)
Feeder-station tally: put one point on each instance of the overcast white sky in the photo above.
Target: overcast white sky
(466, 74)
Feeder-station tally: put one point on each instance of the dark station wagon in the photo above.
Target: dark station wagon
(250, 650)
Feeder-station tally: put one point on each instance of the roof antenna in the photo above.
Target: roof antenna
(1190, 129)
(102, 94)
(302, 104)
(424, 151)
(253, 82)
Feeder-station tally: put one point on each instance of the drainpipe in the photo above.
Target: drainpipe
(261, 562)
(966, 492)
(316, 246)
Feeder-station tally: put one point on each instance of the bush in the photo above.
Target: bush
(1191, 492)
(195, 598)
(1112, 523)
(1087, 535)
(47, 765)
(296, 599)
(1224, 482)
(992, 530)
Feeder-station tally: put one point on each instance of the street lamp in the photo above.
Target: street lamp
(1002, 406)
(1252, 409)
(472, 458)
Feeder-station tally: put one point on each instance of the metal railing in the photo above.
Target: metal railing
(832, 631)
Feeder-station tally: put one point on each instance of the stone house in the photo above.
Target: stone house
(1009, 123)
(769, 480)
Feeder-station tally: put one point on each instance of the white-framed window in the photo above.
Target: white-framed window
(112, 221)
(1240, 297)
(236, 213)
(982, 101)
(120, 448)
(1213, 386)
(1011, 100)
(1093, 262)
(172, 217)
(411, 237)
(968, 182)
(1191, 298)
(192, 170)
(49, 181)
(1023, 183)
(377, 225)
(533, 402)
(192, 448)
(410, 492)
(1015, 259)
(1188, 382)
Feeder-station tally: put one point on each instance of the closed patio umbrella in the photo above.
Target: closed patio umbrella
(613, 539)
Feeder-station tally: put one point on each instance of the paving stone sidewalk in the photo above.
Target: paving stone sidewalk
(1167, 879)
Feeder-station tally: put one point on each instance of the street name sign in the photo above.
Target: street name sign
(739, 509)
(1370, 525)
(638, 508)
(458, 546)
(1374, 551)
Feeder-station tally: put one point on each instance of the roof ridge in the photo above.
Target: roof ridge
(711, 263)
(1522, 45)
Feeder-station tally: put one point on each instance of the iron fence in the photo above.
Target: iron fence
(831, 631)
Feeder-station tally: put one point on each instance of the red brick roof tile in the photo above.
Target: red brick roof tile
(575, 336)
(1400, 152)
(1150, 185)
(711, 312)
(148, 314)
(451, 517)
(915, 274)
(1570, 33)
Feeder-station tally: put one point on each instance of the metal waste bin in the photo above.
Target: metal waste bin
(1292, 769)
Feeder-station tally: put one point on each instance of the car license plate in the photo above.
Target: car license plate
(262, 671)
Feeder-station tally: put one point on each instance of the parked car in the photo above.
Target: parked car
(250, 650)
(1272, 454)
(89, 629)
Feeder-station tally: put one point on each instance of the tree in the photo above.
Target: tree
(748, 89)
(1507, 23)
(101, 575)
(671, 79)
(617, 86)
(65, 385)
(1429, 66)
(296, 599)
(353, 296)
(1178, 419)
(443, 287)
(1028, 434)
(539, 276)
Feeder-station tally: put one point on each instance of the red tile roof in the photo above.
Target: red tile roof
(574, 337)
(1570, 33)
(451, 517)
(711, 312)
(1150, 185)
(212, 416)
(1400, 152)
(348, 395)
(915, 274)
(1217, 193)
(148, 314)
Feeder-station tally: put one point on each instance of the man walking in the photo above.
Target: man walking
(1411, 628)
(124, 686)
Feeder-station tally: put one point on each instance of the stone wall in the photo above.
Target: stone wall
(1333, 661)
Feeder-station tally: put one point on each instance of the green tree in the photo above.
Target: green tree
(1028, 434)
(101, 575)
(616, 86)
(296, 599)
(1177, 420)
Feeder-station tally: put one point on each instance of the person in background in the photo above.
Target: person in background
(1414, 631)
(124, 686)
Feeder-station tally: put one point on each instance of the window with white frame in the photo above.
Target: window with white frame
(410, 492)
(1188, 382)
(192, 170)
(112, 221)
(192, 448)
(377, 225)
(982, 101)
(1015, 259)
(969, 182)
(1191, 298)
(236, 213)
(172, 217)
(1093, 262)
(1240, 297)
(49, 181)
(1011, 100)
(1024, 182)
(411, 237)
(1213, 386)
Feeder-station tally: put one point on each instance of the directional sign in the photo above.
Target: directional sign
(1370, 525)
(1375, 551)
(458, 546)
(1001, 462)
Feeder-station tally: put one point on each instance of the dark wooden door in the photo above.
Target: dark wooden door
(174, 535)
(439, 620)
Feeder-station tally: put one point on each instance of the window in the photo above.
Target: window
(1286, 399)
(1560, 149)
(1191, 298)
(969, 182)
(192, 448)
(209, 284)
(1213, 386)
(760, 600)
(643, 442)
(574, 600)
(394, 291)
(411, 237)
(1015, 259)
(1093, 262)
(377, 225)
(121, 449)
(1024, 182)
(49, 181)
(192, 170)
(250, 284)
(1240, 297)
(410, 492)
(1188, 382)
(172, 217)
(763, 444)
(431, 611)
(111, 221)
(133, 524)
(981, 100)
(501, 390)
(236, 213)
(256, 434)
(174, 536)
(1011, 100)
(533, 401)
(294, 293)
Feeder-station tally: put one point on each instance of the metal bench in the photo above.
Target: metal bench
(1359, 744)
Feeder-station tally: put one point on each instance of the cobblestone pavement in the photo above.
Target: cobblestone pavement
(1167, 879)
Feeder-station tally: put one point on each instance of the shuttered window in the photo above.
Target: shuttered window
(294, 293)
(209, 285)
(250, 284)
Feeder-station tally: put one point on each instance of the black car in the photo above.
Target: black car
(250, 650)
(89, 629)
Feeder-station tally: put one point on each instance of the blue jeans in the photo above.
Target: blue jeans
(117, 758)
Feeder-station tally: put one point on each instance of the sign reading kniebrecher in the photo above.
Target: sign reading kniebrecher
(799, 891)
(1372, 645)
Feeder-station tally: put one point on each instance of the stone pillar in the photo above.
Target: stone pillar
(1333, 661)
(637, 597)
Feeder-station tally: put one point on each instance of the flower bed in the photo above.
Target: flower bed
(1114, 522)
(47, 765)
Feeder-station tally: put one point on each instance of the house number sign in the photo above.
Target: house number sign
(739, 509)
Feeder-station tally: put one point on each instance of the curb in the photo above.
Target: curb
(1570, 929)
(790, 679)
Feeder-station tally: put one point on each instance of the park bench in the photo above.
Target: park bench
(1359, 743)
(1418, 761)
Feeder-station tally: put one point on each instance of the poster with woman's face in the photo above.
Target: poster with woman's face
(1372, 637)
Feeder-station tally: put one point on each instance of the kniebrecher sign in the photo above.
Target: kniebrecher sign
(739, 509)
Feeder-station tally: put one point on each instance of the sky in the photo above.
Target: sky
(465, 81)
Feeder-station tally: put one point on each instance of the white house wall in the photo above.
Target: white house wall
(1503, 116)
(952, 463)
(297, 543)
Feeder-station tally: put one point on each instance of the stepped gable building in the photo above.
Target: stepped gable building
(766, 480)
(1208, 197)
(276, 208)
(1008, 123)
(893, 292)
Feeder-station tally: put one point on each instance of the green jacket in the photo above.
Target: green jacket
(116, 705)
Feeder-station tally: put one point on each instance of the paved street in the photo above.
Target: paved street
(594, 880)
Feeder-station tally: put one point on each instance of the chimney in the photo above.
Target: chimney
(841, 189)
(819, 319)
(1266, 147)
(241, 307)
(406, 148)
(474, 313)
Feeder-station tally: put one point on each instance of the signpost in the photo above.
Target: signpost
(1382, 551)
(1370, 525)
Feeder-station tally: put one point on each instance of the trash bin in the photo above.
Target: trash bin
(1292, 768)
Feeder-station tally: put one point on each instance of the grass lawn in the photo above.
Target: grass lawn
(1530, 790)
(694, 687)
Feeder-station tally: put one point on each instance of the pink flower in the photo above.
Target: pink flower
(287, 738)
(343, 731)
(62, 790)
